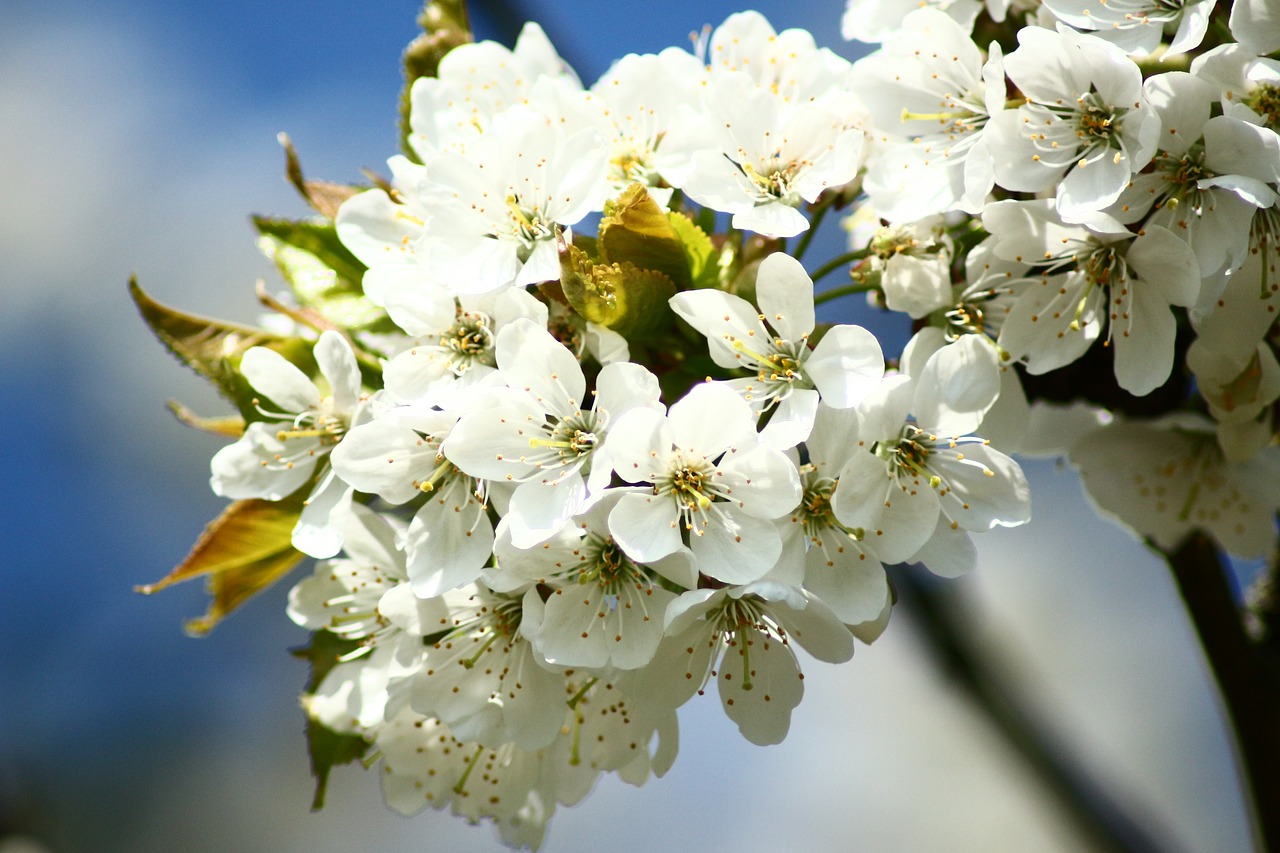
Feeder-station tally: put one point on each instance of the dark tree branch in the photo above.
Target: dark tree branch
(1106, 824)
(1247, 674)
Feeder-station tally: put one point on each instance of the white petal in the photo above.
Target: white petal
(817, 629)
(985, 488)
(246, 469)
(949, 552)
(383, 458)
(540, 509)
(638, 444)
(853, 585)
(728, 322)
(318, 532)
(338, 365)
(645, 526)
(897, 520)
(369, 539)
(772, 219)
(792, 420)
(532, 360)
(277, 379)
(762, 481)
(711, 419)
(736, 548)
(959, 384)
(845, 365)
(623, 386)
(784, 292)
(1144, 341)
(760, 684)
(449, 541)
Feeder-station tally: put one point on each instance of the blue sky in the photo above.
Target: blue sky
(137, 137)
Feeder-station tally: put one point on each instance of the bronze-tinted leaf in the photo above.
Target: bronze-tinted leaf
(229, 427)
(324, 196)
(627, 299)
(213, 348)
(242, 552)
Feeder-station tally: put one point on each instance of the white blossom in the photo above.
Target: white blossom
(492, 211)
(544, 431)
(1112, 276)
(1166, 478)
(278, 455)
(742, 636)
(932, 91)
(919, 474)
(707, 477)
(1085, 126)
(1138, 26)
(773, 342)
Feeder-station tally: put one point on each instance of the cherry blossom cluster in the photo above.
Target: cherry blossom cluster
(600, 454)
(1123, 160)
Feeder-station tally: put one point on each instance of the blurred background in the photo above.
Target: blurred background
(137, 137)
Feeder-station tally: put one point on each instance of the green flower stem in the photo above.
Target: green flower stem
(807, 237)
(838, 262)
(837, 292)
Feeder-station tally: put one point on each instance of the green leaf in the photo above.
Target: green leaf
(636, 230)
(213, 348)
(699, 252)
(327, 748)
(242, 552)
(627, 299)
(445, 25)
(319, 239)
(336, 299)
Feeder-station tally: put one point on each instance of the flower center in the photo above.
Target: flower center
(633, 166)
(815, 506)
(528, 226)
(604, 564)
(691, 485)
(327, 428)
(569, 439)
(1096, 120)
(1265, 101)
(467, 341)
(774, 184)
(968, 317)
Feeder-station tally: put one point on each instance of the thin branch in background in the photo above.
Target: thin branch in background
(944, 620)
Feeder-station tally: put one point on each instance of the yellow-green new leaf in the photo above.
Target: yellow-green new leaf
(319, 239)
(213, 348)
(699, 252)
(627, 299)
(635, 230)
(242, 552)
